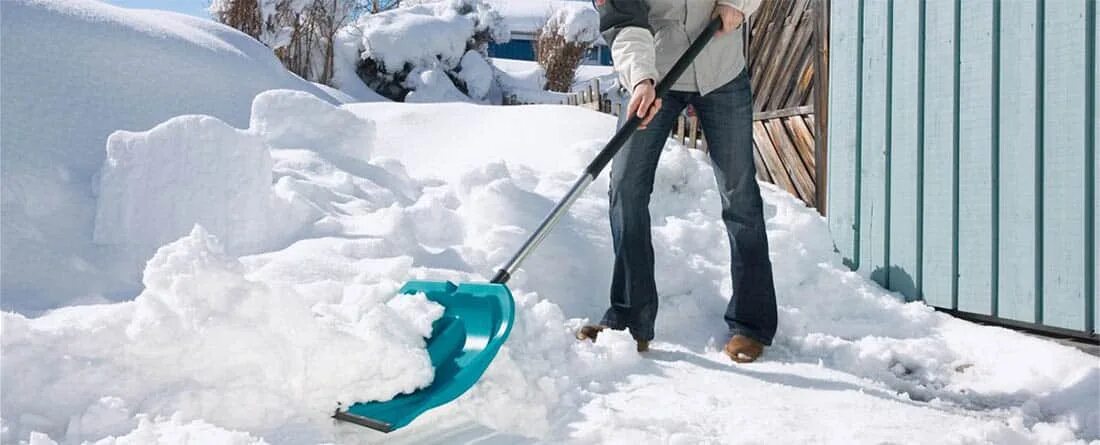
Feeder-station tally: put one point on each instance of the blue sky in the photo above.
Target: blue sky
(193, 7)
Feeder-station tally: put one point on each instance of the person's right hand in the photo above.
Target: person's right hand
(644, 102)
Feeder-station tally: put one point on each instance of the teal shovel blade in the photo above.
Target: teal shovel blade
(477, 318)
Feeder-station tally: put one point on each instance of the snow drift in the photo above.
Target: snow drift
(74, 72)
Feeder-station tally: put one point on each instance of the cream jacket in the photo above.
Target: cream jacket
(640, 52)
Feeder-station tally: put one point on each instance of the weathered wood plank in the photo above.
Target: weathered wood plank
(875, 144)
(804, 142)
(937, 282)
(843, 128)
(761, 170)
(774, 71)
(976, 158)
(904, 147)
(771, 158)
(788, 154)
(796, 59)
(1064, 108)
(1017, 241)
(772, 114)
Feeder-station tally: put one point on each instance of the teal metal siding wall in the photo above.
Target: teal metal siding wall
(962, 166)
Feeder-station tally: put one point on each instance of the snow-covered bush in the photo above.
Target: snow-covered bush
(427, 52)
(562, 43)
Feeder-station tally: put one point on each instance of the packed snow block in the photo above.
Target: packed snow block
(156, 185)
(295, 119)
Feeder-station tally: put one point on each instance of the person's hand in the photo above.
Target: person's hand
(731, 18)
(644, 102)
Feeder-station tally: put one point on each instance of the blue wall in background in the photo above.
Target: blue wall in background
(962, 164)
(522, 49)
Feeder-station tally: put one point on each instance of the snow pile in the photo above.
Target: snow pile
(205, 342)
(295, 119)
(433, 52)
(65, 92)
(575, 22)
(155, 185)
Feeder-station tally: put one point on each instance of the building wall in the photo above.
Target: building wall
(962, 165)
(524, 49)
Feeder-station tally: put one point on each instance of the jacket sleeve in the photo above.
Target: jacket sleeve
(625, 27)
(747, 7)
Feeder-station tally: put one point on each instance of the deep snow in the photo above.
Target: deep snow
(241, 335)
(74, 71)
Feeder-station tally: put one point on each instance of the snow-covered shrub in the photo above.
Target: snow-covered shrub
(428, 52)
(562, 43)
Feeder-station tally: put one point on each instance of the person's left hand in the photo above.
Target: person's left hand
(731, 18)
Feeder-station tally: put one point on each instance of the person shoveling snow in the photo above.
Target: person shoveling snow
(644, 37)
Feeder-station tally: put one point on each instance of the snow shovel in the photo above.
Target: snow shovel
(478, 317)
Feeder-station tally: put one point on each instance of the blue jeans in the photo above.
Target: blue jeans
(726, 118)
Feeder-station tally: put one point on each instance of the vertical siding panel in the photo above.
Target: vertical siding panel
(1095, 168)
(904, 135)
(1064, 148)
(873, 206)
(939, 130)
(975, 158)
(1017, 210)
(843, 93)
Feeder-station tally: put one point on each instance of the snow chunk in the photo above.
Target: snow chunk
(295, 119)
(156, 184)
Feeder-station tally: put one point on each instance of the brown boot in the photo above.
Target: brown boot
(742, 349)
(590, 332)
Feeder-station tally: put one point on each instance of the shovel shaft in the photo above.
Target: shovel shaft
(592, 171)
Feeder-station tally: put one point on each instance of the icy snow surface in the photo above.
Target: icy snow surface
(244, 335)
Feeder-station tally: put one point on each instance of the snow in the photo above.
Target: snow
(527, 16)
(440, 38)
(291, 331)
(203, 341)
(253, 336)
(450, 38)
(576, 22)
(75, 71)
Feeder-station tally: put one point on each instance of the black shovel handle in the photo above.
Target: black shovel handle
(619, 139)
